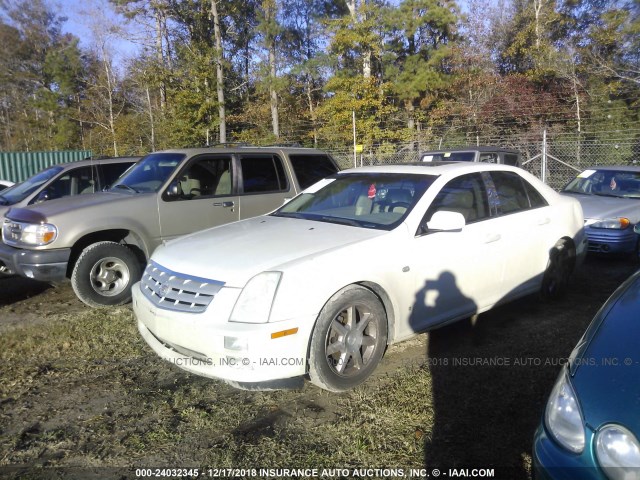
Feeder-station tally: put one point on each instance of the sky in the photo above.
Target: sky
(86, 16)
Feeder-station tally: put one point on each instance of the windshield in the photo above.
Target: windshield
(367, 200)
(19, 192)
(149, 174)
(608, 183)
(449, 157)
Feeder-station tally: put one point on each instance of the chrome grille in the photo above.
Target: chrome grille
(176, 291)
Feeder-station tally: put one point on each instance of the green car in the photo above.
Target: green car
(591, 424)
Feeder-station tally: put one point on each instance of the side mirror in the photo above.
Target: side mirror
(445, 221)
(173, 191)
(43, 196)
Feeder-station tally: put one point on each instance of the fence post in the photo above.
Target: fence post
(355, 154)
(543, 175)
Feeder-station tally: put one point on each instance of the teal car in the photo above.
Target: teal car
(591, 424)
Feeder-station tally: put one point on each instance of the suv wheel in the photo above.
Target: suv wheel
(104, 273)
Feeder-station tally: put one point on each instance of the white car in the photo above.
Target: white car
(4, 184)
(361, 260)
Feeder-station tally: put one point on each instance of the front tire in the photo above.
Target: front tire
(104, 273)
(348, 340)
(562, 259)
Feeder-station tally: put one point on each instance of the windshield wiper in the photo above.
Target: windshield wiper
(341, 221)
(607, 195)
(290, 215)
(126, 187)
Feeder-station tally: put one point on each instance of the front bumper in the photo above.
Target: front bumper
(195, 342)
(603, 240)
(43, 265)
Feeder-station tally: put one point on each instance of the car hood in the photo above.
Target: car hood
(51, 208)
(235, 252)
(601, 207)
(606, 363)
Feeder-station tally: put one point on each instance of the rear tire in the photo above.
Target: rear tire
(562, 259)
(348, 340)
(104, 273)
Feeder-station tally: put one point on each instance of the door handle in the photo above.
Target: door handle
(492, 238)
(544, 221)
(224, 204)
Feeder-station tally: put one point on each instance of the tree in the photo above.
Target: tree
(271, 30)
(219, 71)
(417, 54)
(534, 32)
(39, 78)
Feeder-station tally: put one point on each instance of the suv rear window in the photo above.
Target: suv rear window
(262, 174)
(112, 171)
(311, 168)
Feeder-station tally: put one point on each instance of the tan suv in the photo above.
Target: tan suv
(101, 241)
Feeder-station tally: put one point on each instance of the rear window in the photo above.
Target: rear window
(261, 174)
(449, 157)
(511, 192)
(511, 159)
(311, 168)
(112, 171)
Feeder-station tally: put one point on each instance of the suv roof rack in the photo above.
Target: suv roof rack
(284, 144)
(229, 144)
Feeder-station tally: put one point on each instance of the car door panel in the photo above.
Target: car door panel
(205, 198)
(457, 273)
(525, 228)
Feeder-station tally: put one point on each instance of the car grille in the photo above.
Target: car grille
(176, 291)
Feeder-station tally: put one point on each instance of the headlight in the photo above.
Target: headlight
(256, 298)
(612, 223)
(563, 417)
(618, 453)
(28, 234)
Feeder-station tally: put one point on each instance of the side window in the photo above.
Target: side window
(511, 159)
(489, 157)
(262, 174)
(536, 200)
(206, 177)
(466, 195)
(512, 196)
(112, 171)
(311, 168)
(74, 182)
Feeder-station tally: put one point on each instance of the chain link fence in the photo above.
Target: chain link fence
(555, 162)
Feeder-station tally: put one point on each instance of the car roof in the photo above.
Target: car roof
(94, 161)
(243, 149)
(434, 168)
(618, 168)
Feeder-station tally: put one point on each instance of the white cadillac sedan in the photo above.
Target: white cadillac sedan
(361, 260)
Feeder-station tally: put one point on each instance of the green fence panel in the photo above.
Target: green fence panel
(18, 166)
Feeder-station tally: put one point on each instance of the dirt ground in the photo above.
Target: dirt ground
(80, 391)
